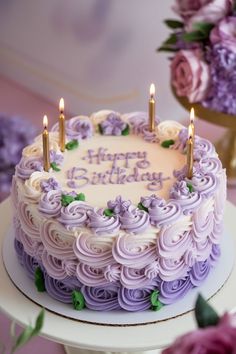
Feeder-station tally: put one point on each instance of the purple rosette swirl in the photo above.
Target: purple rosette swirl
(58, 290)
(50, 203)
(57, 268)
(210, 164)
(172, 269)
(93, 250)
(135, 299)
(164, 213)
(134, 220)
(199, 272)
(134, 278)
(112, 273)
(101, 298)
(28, 165)
(31, 246)
(172, 291)
(77, 128)
(30, 264)
(188, 201)
(206, 185)
(19, 248)
(204, 145)
(101, 224)
(135, 251)
(90, 276)
(30, 222)
(215, 254)
(75, 214)
(139, 124)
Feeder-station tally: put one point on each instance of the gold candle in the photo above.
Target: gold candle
(45, 135)
(152, 108)
(62, 134)
(192, 118)
(190, 153)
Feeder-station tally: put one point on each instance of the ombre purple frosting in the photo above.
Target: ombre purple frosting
(77, 128)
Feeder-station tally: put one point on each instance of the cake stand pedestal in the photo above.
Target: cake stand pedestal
(226, 146)
(91, 338)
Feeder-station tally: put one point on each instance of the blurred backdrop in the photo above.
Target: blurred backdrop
(95, 53)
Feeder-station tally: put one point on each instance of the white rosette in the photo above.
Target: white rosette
(32, 186)
(57, 240)
(203, 220)
(57, 268)
(168, 129)
(136, 251)
(30, 220)
(175, 239)
(36, 149)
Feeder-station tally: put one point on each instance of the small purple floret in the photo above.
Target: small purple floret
(113, 125)
(50, 184)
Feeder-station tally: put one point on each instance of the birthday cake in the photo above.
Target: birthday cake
(115, 224)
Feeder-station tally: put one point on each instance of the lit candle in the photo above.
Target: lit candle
(190, 153)
(152, 108)
(62, 134)
(46, 159)
(192, 118)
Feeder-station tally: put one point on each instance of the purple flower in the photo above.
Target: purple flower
(56, 157)
(113, 125)
(49, 184)
(224, 33)
(151, 201)
(179, 189)
(119, 205)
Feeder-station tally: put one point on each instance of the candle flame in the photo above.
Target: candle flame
(192, 115)
(45, 122)
(61, 105)
(152, 90)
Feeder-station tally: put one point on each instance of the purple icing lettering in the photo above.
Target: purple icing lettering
(143, 164)
(71, 174)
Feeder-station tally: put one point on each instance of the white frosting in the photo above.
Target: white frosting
(168, 129)
(32, 186)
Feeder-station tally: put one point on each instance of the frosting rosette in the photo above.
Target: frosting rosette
(57, 268)
(28, 165)
(203, 220)
(36, 149)
(93, 250)
(74, 214)
(172, 291)
(175, 239)
(57, 240)
(90, 276)
(50, 203)
(134, 250)
(101, 224)
(135, 299)
(58, 290)
(199, 272)
(206, 185)
(164, 213)
(205, 145)
(30, 220)
(32, 246)
(215, 254)
(168, 130)
(203, 249)
(171, 269)
(134, 278)
(30, 264)
(101, 298)
(210, 164)
(112, 272)
(19, 248)
(79, 127)
(188, 201)
(32, 186)
(134, 220)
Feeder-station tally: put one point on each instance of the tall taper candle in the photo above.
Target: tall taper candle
(45, 135)
(192, 118)
(152, 108)
(190, 153)
(62, 133)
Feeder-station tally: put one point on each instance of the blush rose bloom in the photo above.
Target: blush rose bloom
(225, 33)
(193, 11)
(219, 339)
(190, 75)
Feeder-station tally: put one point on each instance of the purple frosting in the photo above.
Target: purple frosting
(27, 166)
(215, 254)
(58, 290)
(136, 299)
(77, 128)
(56, 157)
(30, 264)
(19, 250)
(113, 125)
(171, 291)
(49, 184)
(75, 214)
(50, 203)
(188, 201)
(101, 224)
(101, 299)
(134, 220)
(164, 213)
(119, 205)
(199, 272)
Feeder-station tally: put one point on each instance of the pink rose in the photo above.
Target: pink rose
(225, 33)
(190, 75)
(193, 11)
(220, 339)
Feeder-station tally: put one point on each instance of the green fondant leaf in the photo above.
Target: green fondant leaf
(205, 314)
(194, 36)
(174, 24)
(190, 187)
(78, 300)
(73, 144)
(108, 212)
(80, 196)
(100, 129)
(126, 130)
(39, 279)
(156, 304)
(171, 40)
(55, 167)
(167, 143)
(66, 199)
(203, 27)
(164, 48)
(141, 207)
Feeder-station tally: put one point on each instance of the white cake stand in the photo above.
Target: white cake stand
(86, 338)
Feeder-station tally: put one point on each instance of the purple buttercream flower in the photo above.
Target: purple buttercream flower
(179, 189)
(56, 157)
(151, 201)
(113, 125)
(49, 184)
(118, 205)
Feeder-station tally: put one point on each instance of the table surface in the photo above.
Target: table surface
(15, 99)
